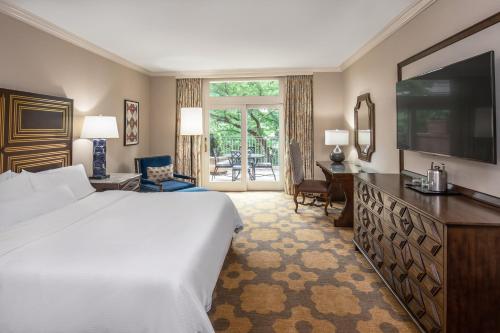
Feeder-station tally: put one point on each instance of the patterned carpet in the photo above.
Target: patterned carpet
(290, 272)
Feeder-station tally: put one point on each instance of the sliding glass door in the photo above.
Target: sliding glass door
(264, 145)
(244, 150)
(226, 161)
(244, 146)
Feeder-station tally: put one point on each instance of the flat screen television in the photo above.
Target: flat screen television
(450, 111)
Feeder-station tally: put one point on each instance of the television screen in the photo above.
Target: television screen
(450, 111)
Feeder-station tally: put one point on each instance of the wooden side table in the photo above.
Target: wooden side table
(118, 181)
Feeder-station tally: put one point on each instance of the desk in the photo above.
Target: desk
(342, 174)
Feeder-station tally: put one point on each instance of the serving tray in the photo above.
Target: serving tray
(426, 191)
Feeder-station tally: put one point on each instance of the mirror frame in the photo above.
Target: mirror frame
(371, 121)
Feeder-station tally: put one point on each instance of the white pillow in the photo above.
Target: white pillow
(73, 176)
(7, 175)
(37, 203)
(16, 187)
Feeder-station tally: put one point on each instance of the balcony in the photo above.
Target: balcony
(262, 156)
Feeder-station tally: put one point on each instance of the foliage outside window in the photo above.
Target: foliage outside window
(262, 130)
(244, 88)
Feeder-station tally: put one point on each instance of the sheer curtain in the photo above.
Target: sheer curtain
(298, 109)
(189, 94)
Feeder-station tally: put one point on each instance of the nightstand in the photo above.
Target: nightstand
(118, 181)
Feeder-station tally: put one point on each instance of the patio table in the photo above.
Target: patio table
(252, 160)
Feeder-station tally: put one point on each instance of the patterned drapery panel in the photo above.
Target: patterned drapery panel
(189, 94)
(298, 107)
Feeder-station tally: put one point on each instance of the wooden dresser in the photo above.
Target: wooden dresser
(439, 255)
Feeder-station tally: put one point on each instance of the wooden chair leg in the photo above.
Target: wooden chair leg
(303, 198)
(295, 195)
(327, 202)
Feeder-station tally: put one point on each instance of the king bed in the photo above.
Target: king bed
(73, 260)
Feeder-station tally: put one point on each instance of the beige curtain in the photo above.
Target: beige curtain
(298, 108)
(188, 148)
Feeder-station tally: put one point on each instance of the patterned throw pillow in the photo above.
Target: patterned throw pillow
(160, 174)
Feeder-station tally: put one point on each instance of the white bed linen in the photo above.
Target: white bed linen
(117, 262)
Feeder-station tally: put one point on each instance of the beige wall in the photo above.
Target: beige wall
(328, 113)
(163, 104)
(376, 73)
(34, 61)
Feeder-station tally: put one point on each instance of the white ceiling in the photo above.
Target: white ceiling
(223, 35)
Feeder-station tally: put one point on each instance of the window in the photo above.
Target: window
(244, 88)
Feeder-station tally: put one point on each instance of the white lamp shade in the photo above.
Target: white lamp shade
(336, 137)
(364, 137)
(191, 121)
(99, 127)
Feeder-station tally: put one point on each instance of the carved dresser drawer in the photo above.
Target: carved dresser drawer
(407, 246)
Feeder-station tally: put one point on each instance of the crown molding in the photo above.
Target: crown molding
(222, 74)
(397, 23)
(22, 15)
(44, 25)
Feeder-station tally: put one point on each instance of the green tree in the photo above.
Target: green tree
(262, 124)
(245, 88)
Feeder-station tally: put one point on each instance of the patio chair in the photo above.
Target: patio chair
(220, 162)
(268, 164)
(305, 186)
(235, 161)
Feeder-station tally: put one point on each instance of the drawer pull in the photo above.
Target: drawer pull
(435, 290)
(401, 276)
(435, 249)
(402, 243)
(406, 226)
(393, 204)
(420, 276)
(392, 235)
(408, 298)
(420, 238)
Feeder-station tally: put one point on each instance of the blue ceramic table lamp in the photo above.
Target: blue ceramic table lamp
(99, 128)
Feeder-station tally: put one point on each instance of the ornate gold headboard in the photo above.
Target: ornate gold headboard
(35, 131)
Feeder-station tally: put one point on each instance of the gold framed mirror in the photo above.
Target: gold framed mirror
(364, 127)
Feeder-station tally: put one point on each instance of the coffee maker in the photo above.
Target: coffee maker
(437, 178)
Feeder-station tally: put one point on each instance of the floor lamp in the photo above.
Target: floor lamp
(191, 125)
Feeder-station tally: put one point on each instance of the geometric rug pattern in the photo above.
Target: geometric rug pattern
(288, 272)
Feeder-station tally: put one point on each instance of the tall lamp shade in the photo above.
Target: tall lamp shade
(191, 121)
(191, 124)
(337, 138)
(99, 128)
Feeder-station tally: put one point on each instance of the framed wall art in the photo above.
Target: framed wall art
(131, 126)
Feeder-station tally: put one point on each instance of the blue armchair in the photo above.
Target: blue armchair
(180, 182)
